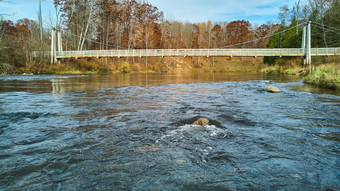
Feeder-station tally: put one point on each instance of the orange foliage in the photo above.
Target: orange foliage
(239, 32)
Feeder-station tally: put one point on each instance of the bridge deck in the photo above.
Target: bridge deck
(251, 52)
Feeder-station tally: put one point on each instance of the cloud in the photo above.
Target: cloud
(258, 11)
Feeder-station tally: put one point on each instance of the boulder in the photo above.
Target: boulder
(202, 122)
(272, 89)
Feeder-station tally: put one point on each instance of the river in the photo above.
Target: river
(134, 132)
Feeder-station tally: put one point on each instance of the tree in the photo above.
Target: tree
(261, 33)
(195, 36)
(332, 20)
(319, 8)
(18, 41)
(239, 32)
(217, 36)
(288, 39)
(284, 15)
(166, 37)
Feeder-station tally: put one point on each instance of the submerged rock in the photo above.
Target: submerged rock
(272, 89)
(202, 122)
(148, 148)
(181, 161)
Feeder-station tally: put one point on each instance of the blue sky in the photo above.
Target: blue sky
(256, 11)
(18, 9)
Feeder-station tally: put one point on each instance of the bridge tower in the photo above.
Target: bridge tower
(56, 44)
(309, 46)
(303, 43)
(306, 44)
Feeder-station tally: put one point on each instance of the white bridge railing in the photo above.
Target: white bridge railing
(254, 52)
(182, 53)
(325, 51)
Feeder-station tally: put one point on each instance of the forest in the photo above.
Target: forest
(132, 24)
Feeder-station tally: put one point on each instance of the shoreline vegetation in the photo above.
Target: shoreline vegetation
(323, 75)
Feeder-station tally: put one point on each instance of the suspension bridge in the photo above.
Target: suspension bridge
(306, 51)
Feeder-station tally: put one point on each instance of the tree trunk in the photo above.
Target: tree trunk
(324, 33)
(87, 25)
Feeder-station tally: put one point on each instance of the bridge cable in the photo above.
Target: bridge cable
(270, 35)
(331, 43)
(90, 40)
(320, 27)
(336, 29)
(242, 43)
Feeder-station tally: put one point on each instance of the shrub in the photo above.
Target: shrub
(124, 67)
(136, 67)
(88, 65)
(5, 68)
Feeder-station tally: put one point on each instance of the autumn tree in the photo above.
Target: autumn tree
(204, 35)
(216, 36)
(108, 19)
(239, 32)
(78, 18)
(155, 36)
(261, 34)
(17, 44)
(195, 36)
(166, 36)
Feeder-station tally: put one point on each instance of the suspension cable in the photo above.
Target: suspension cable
(90, 40)
(270, 35)
(330, 29)
(336, 29)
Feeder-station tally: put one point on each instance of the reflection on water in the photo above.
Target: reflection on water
(134, 132)
(58, 86)
(63, 84)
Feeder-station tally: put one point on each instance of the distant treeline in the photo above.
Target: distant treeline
(325, 18)
(131, 24)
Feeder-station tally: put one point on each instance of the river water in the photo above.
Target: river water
(134, 132)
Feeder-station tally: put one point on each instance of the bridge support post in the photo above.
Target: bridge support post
(60, 42)
(55, 46)
(303, 43)
(52, 47)
(308, 46)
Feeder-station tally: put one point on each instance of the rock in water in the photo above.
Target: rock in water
(202, 122)
(272, 89)
(148, 148)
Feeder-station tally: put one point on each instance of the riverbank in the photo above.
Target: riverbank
(326, 76)
(136, 65)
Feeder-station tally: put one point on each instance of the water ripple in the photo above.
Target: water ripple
(142, 137)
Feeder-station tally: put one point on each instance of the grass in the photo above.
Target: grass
(326, 76)
(296, 70)
(271, 70)
(77, 72)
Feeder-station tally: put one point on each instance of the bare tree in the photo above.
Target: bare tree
(284, 15)
(321, 7)
(296, 13)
